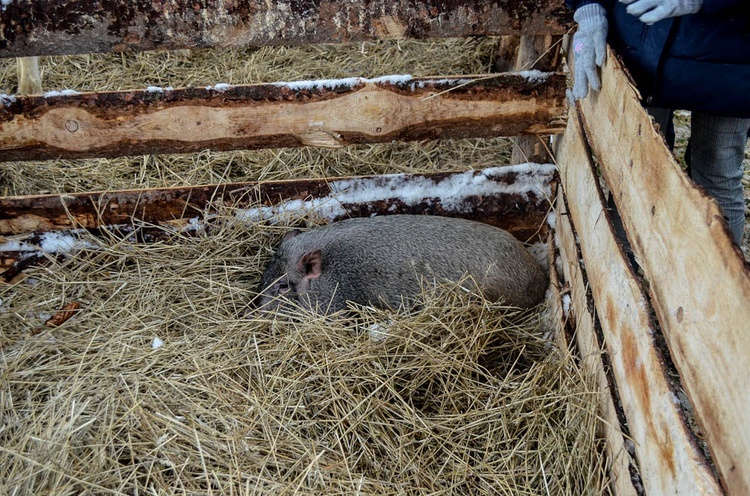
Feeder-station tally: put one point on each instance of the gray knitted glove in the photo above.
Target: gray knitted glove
(651, 11)
(589, 48)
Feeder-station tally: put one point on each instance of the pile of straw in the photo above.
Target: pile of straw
(158, 386)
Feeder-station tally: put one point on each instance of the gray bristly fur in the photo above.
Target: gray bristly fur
(380, 261)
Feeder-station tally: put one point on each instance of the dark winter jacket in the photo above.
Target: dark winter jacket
(693, 62)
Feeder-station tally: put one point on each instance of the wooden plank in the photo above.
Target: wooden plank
(698, 280)
(621, 465)
(515, 198)
(29, 76)
(554, 302)
(556, 322)
(58, 27)
(543, 53)
(670, 462)
(328, 113)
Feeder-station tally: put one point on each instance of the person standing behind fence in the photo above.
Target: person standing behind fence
(683, 54)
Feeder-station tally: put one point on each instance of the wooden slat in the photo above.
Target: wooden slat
(699, 283)
(541, 53)
(669, 460)
(323, 113)
(554, 305)
(29, 76)
(514, 198)
(621, 464)
(58, 27)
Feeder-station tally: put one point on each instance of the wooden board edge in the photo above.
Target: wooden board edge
(514, 191)
(621, 465)
(92, 26)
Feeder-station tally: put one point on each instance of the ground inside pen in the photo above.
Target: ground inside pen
(157, 386)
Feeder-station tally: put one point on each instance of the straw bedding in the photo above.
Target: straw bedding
(462, 397)
(158, 386)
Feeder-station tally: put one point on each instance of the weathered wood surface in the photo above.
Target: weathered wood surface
(328, 113)
(58, 27)
(623, 470)
(29, 76)
(554, 305)
(515, 198)
(541, 52)
(698, 280)
(670, 461)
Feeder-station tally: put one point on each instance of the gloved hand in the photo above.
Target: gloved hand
(651, 11)
(589, 48)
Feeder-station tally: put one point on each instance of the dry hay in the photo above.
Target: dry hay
(462, 397)
(234, 66)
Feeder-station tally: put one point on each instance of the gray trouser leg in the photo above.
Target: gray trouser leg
(717, 147)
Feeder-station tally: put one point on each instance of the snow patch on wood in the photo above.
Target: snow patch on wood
(552, 219)
(319, 84)
(158, 89)
(7, 100)
(220, 87)
(50, 242)
(451, 192)
(66, 92)
(534, 76)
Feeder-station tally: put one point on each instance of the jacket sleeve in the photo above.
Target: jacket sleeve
(709, 6)
(607, 4)
(713, 6)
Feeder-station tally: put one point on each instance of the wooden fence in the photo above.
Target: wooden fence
(690, 310)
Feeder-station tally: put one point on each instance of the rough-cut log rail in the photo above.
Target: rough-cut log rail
(698, 280)
(59, 27)
(328, 113)
(515, 198)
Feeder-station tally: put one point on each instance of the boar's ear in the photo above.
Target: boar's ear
(289, 235)
(311, 264)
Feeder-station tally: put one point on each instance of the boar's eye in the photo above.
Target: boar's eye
(282, 287)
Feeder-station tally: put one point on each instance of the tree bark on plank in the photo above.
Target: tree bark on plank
(59, 27)
(520, 213)
(329, 114)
